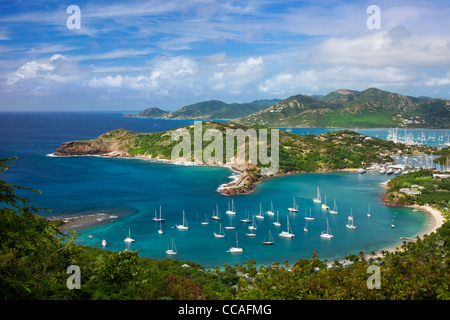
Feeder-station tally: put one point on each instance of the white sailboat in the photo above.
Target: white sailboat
(235, 249)
(104, 243)
(216, 214)
(277, 223)
(317, 199)
(270, 241)
(231, 211)
(172, 251)
(324, 205)
(156, 218)
(334, 211)
(271, 212)
(350, 224)
(251, 233)
(288, 233)
(246, 219)
(129, 239)
(309, 217)
(294, 208)
(368, 212)
(221, 233)
(160, 228)
(306, 226)
(206, 222)
(327, 234)
(230, 227)
(261, 214)
(183, 226)
(253, 225)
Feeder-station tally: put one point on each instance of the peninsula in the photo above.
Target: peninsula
(339, 150)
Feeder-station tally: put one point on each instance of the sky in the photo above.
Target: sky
(132, 55)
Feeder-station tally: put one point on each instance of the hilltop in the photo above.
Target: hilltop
(213, 109)
(354, 109)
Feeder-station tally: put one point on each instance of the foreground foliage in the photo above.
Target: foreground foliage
(34, 257)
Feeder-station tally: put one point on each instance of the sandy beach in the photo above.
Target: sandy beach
(435, 221)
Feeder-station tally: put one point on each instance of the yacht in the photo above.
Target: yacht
(288, 233)
(317, 199)
(294, 208)
(172, 251)
(235, 249)
(183, 226)
(270, 241)
(327, 234)
(129, 239)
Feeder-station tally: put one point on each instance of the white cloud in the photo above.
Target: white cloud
(56, 69)
(107, 81)
(391, 47)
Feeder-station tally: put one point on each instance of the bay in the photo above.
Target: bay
(134, 188)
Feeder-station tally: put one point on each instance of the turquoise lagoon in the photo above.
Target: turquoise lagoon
(133, 189)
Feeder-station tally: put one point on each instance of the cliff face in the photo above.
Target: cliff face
(110, 144)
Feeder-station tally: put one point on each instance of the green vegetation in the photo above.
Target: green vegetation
(34, 257)
(212, 109)
(345, 108)
(435, 192)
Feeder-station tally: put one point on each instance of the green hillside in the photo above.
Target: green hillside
(349, 108)
(213, 109)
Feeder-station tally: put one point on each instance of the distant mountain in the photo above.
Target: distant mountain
(349, 108)
(148, 113)
(212, 109)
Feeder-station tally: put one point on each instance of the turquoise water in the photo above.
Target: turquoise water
(133, 189)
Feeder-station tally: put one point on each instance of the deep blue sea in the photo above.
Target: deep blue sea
(133, 189)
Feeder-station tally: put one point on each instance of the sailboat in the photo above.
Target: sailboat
(294, 208)
(104, 243)
(156, 219)
(270, 241)
(317, 199)
(309, 218)
(160, 228)
(288, 233)
(277, 223)
(183, 226)
(216, 214)
(368, 213)
(327, 234)
(306, 226)
(334, 211)
(252, 226)
(129, 239)
(350, 224)
(232, 210)
(252, 232)
(230, 227)
(271, 212)
(172, 251)
(246, 219)
(235, 249)
(206, 222)
(221, 233)
(261, 214)
(324, 205)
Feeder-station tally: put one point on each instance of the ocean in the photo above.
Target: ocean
(133, 189)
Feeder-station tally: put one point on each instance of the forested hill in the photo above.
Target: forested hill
(354, 109)
(213, 109)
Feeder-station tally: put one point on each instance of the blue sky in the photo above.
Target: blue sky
(130, 55)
